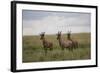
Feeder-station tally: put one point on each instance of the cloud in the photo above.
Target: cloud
(51, 24)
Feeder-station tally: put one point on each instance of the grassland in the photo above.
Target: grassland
(33, 49)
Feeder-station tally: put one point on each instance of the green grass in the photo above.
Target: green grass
(33, 49)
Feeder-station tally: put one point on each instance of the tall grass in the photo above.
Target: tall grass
(33, 49)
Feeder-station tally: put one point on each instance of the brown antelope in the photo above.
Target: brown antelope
(46, 44)
(64, 44)
(74, 42)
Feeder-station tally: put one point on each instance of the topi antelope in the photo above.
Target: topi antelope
(46, 44)
(64, 44)
(74, 42)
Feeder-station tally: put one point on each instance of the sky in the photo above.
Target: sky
(50, 22)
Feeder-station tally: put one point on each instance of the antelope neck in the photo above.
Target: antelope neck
(60, 40)
(43, 40)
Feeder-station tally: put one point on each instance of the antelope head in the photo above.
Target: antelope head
(42, 35)
(69, 35)
(58, 35)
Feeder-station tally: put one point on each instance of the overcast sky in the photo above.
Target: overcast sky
(35, 22)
